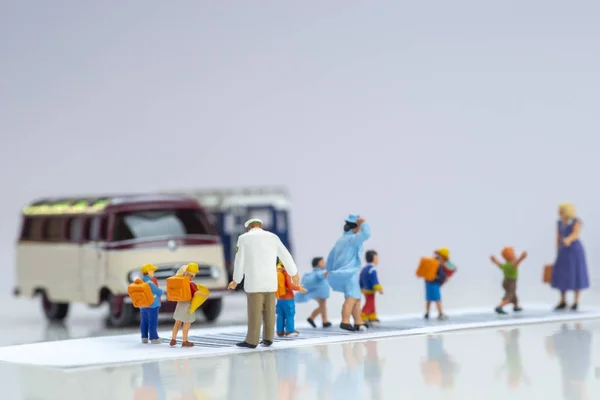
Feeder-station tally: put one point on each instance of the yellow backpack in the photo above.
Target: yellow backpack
(281, 288)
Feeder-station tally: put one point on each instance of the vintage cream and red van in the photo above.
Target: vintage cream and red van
(88, 250)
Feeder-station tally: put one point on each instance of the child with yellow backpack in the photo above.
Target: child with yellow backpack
(286, 306)
(145, 295)
(189, 296)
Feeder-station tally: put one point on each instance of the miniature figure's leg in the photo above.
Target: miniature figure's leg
(290, 314)
(347, 310)
(144, 322)
(153, 323)
(280, 317)
(323, 307)
(316, 311)
(176, 327)
(186, 330)
(427, 307)
(356, 313)
(268, 318)
(576, 298)
(438, 304)
(255, 314)
(368, 310)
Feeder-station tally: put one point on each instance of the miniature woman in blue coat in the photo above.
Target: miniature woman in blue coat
(315, 282)
(343, 266)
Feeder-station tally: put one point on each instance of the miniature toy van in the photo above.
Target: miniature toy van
(92, 248)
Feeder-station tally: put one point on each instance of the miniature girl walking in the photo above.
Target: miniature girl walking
(570, 269)
(182, 313)
(315, 282)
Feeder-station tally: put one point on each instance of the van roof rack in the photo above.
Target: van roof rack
(212, 199)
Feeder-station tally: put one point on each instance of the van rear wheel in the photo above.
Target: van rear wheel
(120, 314)
(54, 311)
(212, 309)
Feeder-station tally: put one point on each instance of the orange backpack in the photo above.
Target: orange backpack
(140, 293)
(428, 268)
(281, 288)
(178, 288)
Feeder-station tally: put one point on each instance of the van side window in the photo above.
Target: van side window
(26, 229)
(35, 229)
(75, 229)
(97, 229)
(53, 229)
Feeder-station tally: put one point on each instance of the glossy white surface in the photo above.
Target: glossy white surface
(553, 361)
(532, 362)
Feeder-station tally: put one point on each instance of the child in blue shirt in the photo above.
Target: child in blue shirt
(315, 282)
(369, 284)
(433, 291)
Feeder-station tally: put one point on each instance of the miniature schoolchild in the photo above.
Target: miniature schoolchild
(433, 288)
(510, 268)
(369, 285)
(315, 282)
(343, 265)
(149, 315)
(286, 306)
(182, 313)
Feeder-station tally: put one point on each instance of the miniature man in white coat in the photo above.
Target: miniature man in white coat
(256, 261)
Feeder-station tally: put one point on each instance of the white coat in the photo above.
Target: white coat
(256, 261)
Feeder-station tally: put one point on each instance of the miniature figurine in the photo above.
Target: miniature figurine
(515, 373)
(343, 265)
(286, 307)
(315, 282)
(570, 271)
(145, 295)
(433, 291)
(439, 368)
(369, 284)
(149, 315)
(256, 252)
(510, 268)
(183, 291)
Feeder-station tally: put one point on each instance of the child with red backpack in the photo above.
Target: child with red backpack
(286, 307)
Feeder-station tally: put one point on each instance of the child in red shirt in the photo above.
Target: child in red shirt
(286, 306)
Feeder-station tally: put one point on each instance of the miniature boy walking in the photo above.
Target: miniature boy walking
(149, 315)
(286, 307)
(369, 284)
(315, 282)
(510, 268)
(433, 288)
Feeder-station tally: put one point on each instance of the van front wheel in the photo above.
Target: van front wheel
(54, 311)
(120, 314)
(212, 309)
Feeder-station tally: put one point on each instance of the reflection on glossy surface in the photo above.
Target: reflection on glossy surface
(572, 346)
(439, 368)
(494, 364)
(512, 368)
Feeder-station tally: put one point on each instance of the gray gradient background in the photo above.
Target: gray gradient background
(459, 124)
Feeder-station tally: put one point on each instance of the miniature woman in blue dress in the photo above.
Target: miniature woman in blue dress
(570, 271)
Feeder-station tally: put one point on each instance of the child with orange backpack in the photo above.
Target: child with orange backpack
(286, 306)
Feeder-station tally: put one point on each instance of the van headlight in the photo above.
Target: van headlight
(133, 275)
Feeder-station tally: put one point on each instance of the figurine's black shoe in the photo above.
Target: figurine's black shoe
(499, 310)
(347, 327)
(517, 309)
(326, 324)
(311, 322)
(560, 306)
(574, 307)
(246, 345)
(266, 343)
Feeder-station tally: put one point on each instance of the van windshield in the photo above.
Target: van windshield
(160, 223)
